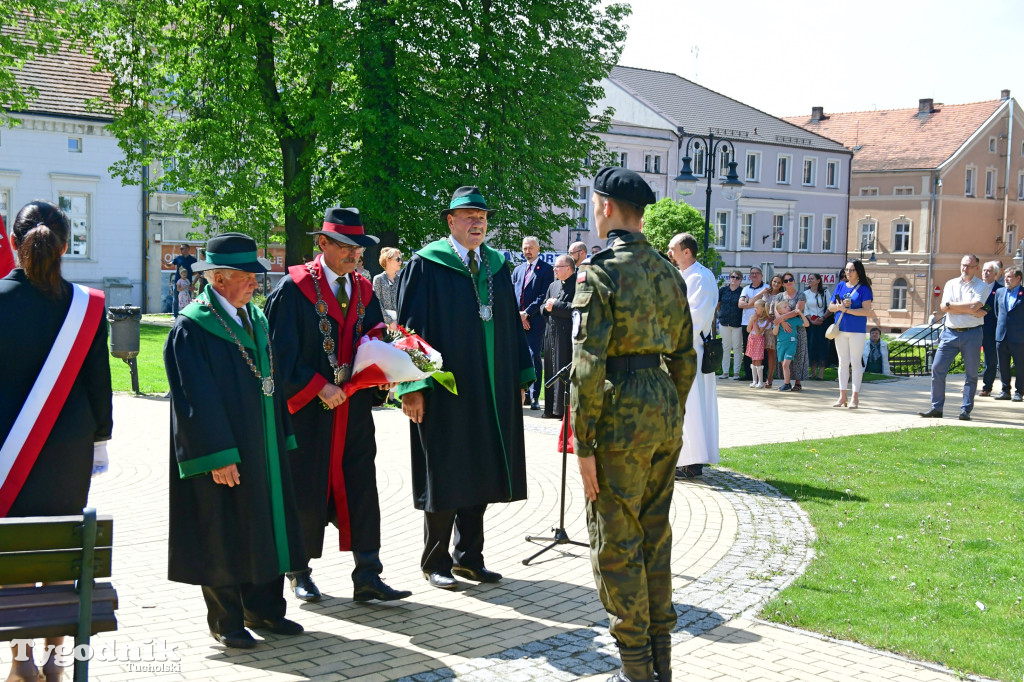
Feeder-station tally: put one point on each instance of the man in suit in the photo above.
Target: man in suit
(1010, 331)
(989, 275)
(531, 281)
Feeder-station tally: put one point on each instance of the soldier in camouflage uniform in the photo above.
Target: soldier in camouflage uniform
(630, 316)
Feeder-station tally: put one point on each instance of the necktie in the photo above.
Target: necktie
(473, 267)
(342, 294)
(246, 325)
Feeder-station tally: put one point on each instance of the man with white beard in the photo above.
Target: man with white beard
(700, 428)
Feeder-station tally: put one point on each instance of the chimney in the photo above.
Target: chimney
(925, 106)
(818, 114)
(1004, 95)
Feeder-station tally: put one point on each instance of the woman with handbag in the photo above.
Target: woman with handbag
(852, 304)
(816, 310)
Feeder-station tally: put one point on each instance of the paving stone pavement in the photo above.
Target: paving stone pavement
(736, 543)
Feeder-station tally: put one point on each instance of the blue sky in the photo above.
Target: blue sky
(789, 55)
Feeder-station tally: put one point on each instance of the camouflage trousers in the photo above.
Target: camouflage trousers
(631, 540)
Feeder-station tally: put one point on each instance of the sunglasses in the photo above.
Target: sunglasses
(735, 277)
(787, 280)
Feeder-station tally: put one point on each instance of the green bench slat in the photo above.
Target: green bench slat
(49, 566)
(50, 532)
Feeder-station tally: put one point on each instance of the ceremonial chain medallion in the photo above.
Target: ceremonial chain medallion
(342, 373)
(266, 382)
(486, 312)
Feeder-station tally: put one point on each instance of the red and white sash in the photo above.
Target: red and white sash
(51, 388)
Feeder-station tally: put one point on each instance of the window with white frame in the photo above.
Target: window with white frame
(746, 230)
(75, 145)
(803, 235)
(869, 191)
(583, 207)
(899, 294)
(657, 163)
(784, 169)
(699, 160)
(5, 207)
(724, 157)
(828, 233)
(1011, 240)
(1020, 186)
(721, 229)
(648, 163)
(76, 205)
(903, 191)
(810, 172)
(624, 159)
(778, 231)
(990, 183)
(901, 235)
(969, 182)
(867, 235)
(832, 174)
(753, 168)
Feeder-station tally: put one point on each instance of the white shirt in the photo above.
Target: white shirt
(750, 292)
(226, 305)
(332, 279)
(812, 307)
(959, 291)
(463, 251)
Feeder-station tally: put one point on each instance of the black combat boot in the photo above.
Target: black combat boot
(661, 653)
(636, 665)
(366, 582)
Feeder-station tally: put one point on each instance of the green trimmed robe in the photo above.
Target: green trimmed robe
(221, 536)
(469, 449)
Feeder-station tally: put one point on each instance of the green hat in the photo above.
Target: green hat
(467, 197)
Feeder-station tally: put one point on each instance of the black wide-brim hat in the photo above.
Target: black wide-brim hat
(232, 251)
(468, 197)
(344, 225)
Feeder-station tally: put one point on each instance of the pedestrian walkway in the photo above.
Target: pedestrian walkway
(737, 542)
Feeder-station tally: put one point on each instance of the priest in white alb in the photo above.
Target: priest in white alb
(700, 427)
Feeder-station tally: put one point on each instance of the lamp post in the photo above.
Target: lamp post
(732, 188)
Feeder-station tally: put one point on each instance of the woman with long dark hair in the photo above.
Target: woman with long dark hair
(816, 310)
(56, 384)
(853, 299)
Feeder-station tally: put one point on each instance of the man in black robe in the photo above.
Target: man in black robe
(333, 467)
(467, 449)
(234, 528)
(557, 309)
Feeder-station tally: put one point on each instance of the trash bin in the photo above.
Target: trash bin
(124, 337)
(118, 291)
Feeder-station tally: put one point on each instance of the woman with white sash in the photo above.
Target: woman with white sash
(55, 398)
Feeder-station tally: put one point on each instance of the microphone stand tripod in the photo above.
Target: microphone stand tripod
(559, 537)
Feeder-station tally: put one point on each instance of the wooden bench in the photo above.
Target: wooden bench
(907, 363)
(48, 549)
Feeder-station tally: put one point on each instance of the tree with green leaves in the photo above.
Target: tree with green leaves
(27, 29)
(667, 218)
(269, 111)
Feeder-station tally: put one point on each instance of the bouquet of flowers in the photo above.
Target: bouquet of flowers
(386, 357)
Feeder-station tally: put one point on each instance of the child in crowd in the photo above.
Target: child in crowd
(184, 287)
(756, 329)
(785, 343)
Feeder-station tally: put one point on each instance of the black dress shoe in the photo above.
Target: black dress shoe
(480, 575)
(965, 416)
(535, 405)
(378, 589)
(1003, 396)
(304, 587)
(441, 580)
(985, 392)
(239, 639)
(931, 414)
(278, 627)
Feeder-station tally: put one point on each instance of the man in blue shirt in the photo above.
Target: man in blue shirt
(1010, 331)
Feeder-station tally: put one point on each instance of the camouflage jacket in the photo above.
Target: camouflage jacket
(629, 301)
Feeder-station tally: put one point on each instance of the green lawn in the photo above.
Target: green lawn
(152, 378)
(920, 542)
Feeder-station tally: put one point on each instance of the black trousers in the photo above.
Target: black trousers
(1010, 351)
(227, 608)
(988, 344)
(468, 523)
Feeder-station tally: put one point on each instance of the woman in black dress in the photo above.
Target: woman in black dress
(34, 301)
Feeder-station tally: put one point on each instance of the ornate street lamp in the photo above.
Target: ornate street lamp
(686, 181)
